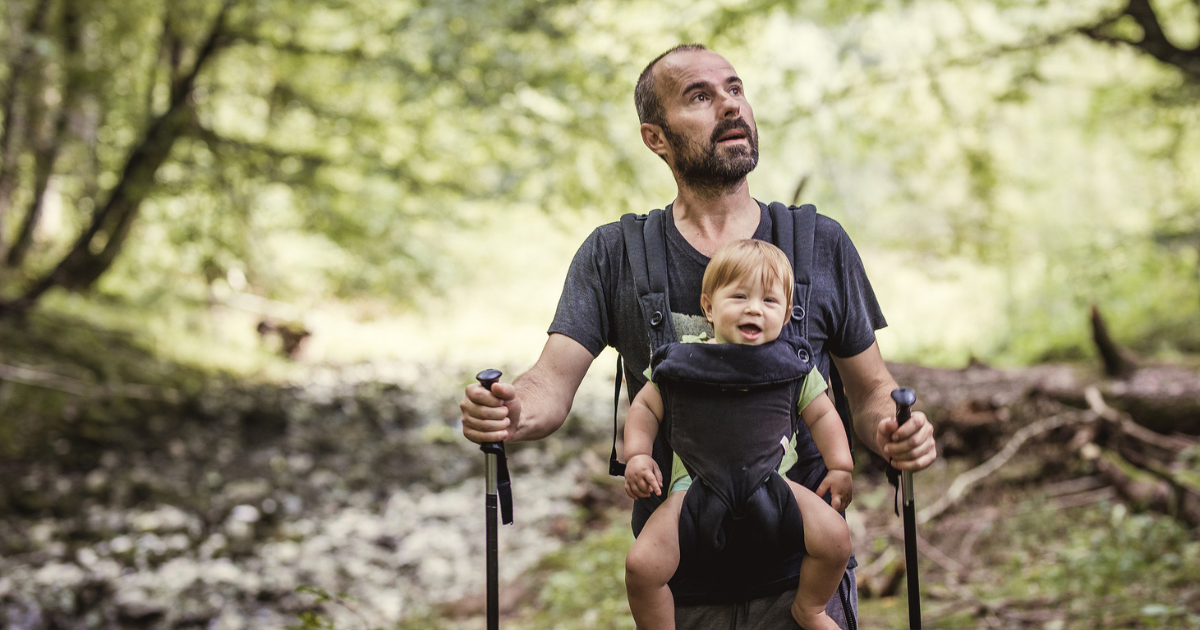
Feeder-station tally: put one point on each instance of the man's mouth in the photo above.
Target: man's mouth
(731, 130)
(736, 134)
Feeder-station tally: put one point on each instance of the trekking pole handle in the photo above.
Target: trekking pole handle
(487, 378)
(904, 398)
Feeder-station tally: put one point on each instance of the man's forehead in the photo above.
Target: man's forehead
(686, 67)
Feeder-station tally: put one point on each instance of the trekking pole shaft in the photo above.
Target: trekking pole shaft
(904, 398)
(910, 563)
(487, 378)
(493, 564)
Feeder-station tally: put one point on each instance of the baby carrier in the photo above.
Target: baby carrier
(740, 536)
(728, 412)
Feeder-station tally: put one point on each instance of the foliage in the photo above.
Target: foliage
(585, 587)
(1017, 136)
(67, 382)
(310, 620)
(234, 134)
(1098, 567)
(307, 151)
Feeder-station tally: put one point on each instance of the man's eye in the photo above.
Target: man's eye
(700, 97)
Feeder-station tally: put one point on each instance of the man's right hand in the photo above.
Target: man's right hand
(490, 416)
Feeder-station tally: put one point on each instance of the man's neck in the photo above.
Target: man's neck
(709, 222)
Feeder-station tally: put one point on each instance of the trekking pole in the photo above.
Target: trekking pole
(905, 398)
(499, 486)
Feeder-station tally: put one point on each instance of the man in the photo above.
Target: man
(695, 116)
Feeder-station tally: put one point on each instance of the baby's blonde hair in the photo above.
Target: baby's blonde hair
(752, 259)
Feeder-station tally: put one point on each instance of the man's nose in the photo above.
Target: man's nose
(730, 107)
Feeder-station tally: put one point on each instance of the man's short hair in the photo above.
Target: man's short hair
(749, 258)
(645, 95)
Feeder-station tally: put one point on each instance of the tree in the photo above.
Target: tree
(357, 119)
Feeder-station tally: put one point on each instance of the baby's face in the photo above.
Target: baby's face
(746, 312)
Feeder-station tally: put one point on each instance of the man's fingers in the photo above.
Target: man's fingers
(899, 442)
(490, 432)
(918, 450)
(503, 391)
(911, 427)
(495, 397)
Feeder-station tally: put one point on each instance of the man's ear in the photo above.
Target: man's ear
(652, 136)
(706, 306)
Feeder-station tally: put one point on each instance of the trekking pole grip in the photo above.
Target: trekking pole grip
(905, 398)
(487, 378)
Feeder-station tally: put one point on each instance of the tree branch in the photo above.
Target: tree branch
(963, 482)
(15, 128)
(47, 146)
(1154, 40)
(75, 387)
(82, 266)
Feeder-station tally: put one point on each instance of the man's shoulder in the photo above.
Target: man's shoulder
(605, 242)
(827, 228)
(608, 234)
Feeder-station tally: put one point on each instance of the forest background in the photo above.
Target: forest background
(406, 181)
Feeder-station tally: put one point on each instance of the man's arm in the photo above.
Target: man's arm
(535, 404)
(869, 386)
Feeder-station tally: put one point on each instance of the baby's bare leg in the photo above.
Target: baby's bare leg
(651, 562)
(827, 539)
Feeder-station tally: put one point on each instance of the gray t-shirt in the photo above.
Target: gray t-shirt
(599, 308)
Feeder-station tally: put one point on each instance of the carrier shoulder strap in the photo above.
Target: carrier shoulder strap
(793, 230)
(646, 250)
(795, 235)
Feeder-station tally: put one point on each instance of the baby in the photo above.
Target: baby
(746, 294)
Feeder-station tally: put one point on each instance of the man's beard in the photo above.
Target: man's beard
(705, 170)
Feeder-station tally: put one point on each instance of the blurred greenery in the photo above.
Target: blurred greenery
(411, 176)
(190, 152)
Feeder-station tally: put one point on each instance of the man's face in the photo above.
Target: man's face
(710, 132)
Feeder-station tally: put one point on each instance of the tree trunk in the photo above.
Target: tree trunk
(98, 246)
(48, 145)
(15, 124)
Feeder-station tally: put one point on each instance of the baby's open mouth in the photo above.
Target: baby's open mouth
(750, 329)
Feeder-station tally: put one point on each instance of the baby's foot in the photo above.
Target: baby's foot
(813, 620)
